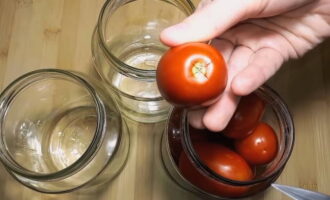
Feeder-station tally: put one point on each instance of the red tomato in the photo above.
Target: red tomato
(191, 74)
(246, 117)
(260, 147)
(221, 160)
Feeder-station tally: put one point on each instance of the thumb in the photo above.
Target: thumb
(208, 21)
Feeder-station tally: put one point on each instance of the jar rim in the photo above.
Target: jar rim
(127, 69)
(92, 148)
(289, 131)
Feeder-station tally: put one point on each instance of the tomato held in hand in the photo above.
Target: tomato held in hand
(246, 117)
(221, 160)
(260, 147)
(191, 74)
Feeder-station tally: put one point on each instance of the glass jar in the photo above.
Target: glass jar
(177, 137)
(126, 49)
(60, 131)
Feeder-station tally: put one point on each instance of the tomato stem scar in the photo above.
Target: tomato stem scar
(199, 70)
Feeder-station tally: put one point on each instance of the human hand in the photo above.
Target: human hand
(255, 37)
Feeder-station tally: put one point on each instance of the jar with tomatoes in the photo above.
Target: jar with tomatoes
(126, 49)
(240, 161)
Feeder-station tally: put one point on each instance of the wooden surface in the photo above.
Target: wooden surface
(38, 34)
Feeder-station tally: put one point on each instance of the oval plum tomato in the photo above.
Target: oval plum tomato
(260, 147)
(246, 117)
(221, 160)
(191, 74)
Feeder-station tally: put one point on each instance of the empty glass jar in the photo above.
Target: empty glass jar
(60, 131)
(177, 140)
(126, 50)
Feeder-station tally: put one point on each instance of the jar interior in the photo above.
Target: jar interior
(275, 115)
(130, 32)
(260, 171)
(49, 124)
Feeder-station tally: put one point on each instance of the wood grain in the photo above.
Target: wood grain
(38, 34)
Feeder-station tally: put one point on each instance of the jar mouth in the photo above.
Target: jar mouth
(113, 88)
(14, 88)
(147, 75)
(283, 115)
